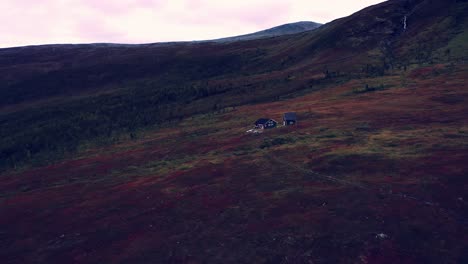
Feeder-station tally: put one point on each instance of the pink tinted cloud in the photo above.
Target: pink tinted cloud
(256, 13)
(26, 22)
(113, 7)
(95, 29)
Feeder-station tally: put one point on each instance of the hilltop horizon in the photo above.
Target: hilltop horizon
(283, 29)
(151, 21)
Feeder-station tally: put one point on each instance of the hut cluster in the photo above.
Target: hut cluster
(261, 124)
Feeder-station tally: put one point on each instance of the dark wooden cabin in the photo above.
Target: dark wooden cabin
(289, 119)
(265, 123)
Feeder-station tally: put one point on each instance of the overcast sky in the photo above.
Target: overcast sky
(31, 22)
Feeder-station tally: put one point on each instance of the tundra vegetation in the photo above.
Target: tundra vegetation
(138, 154)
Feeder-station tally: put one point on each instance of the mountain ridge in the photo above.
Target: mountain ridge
(285, 29)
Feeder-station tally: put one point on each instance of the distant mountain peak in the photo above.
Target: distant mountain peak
(286, 29)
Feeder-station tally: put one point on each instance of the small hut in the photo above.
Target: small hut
(265, 123)
(289, 119)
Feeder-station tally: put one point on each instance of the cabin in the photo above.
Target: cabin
(289, 119)
(265, 123)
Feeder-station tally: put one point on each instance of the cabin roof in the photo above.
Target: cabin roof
(290, 116)
(262, 121)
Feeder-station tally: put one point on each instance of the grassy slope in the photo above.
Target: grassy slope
(389, 160)
(55, 99)
(204, 191)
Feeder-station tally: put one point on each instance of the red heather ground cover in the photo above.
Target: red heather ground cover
(221, 198)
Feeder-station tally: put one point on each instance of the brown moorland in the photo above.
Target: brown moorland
(373, 172)
(376, 177)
